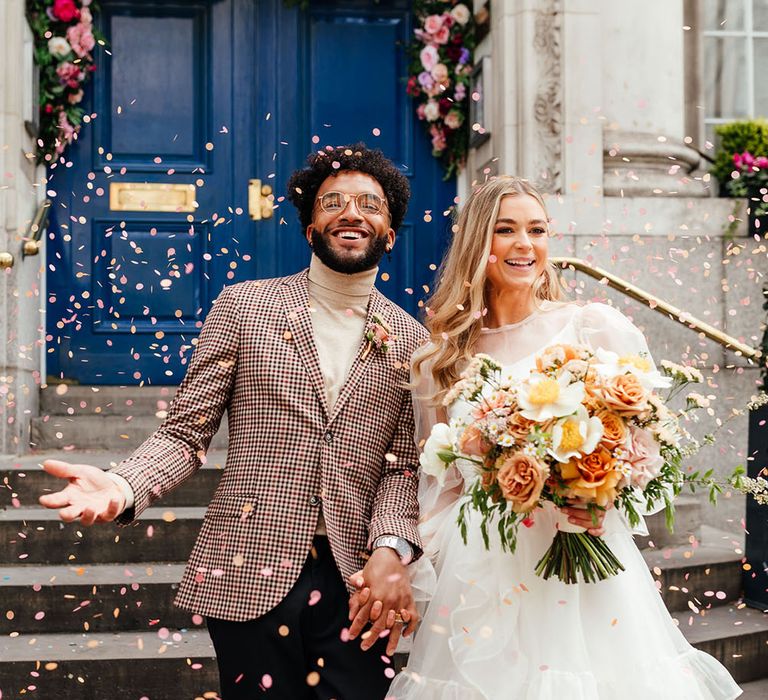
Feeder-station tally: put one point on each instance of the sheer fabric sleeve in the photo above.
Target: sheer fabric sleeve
(602, 326)
(436, 501)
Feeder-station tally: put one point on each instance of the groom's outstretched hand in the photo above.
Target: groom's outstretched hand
(383, 595)
(90, 497)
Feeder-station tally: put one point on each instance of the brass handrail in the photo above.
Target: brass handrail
(661, 306)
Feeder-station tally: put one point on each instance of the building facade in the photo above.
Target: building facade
(609, 107)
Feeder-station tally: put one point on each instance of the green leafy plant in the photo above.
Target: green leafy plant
(65, 40)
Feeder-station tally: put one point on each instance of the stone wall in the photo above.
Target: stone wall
(21, 188)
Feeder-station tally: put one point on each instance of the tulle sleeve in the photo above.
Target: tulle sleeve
(436, 501)
(602, 326)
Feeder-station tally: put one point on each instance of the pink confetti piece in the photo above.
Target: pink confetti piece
(314, 597)
(266, 680)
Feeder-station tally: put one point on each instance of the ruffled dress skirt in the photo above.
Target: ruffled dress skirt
(494, 630)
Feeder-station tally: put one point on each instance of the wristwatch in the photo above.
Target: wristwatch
(401, 546)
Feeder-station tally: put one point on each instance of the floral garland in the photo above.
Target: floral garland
(64, 44)
(440, 72)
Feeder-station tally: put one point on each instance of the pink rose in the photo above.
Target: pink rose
(442, 35)
(69, 74)
(429, 57)
(81, 39)
(521, 479)
(420, 112)
(761, 162)
(433, 24)
(65, 10)
(643, 456)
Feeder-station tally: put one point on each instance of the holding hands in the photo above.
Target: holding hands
(383, 597)
(90, 497)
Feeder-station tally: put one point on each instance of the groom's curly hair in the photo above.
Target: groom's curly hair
(304, 184)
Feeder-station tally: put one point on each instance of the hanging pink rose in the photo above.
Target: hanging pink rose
(421, 111)
(442, 35)
(65, 10)
(69, 74)
(85, 16)
(440, 73)
(747, 159)
(81, 39)
(761, 162)
(429, 57)
(433, 23)
(438, 139)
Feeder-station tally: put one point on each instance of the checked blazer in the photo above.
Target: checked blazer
(288, 453)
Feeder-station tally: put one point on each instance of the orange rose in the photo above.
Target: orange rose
(521, 479)
(614, 429)
(593, 477)
(473, 442)
(556, 356)
(518, 426)
(624, 394)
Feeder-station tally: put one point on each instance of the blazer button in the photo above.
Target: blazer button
(328, 437)
(314, 500)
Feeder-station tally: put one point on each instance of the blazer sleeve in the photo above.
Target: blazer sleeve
(395, 506)
(176, 450)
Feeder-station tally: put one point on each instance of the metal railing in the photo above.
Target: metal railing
(660, 306)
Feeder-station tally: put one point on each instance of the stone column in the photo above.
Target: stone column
(21, 300)
(645, 146)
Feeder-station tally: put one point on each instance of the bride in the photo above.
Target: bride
(493, 629)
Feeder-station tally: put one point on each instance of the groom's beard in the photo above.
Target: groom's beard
(348, 264)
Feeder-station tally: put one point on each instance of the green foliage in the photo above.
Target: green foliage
(737, 137)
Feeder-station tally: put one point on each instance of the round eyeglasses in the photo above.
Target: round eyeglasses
(366, 202)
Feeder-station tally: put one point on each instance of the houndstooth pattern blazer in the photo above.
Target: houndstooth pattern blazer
(288, 453)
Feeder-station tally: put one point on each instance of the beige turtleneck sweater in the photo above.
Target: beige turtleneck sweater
(338, 305)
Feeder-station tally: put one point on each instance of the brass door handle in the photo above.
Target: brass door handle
(6, 260)
(260, 200)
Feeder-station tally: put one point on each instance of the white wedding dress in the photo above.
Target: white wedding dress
(494, 630)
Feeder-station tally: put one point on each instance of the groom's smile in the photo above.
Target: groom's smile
(350, 229)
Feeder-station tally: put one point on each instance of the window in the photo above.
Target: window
(735, 70)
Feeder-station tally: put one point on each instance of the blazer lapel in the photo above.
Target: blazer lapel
(296, 306)
(379, 306)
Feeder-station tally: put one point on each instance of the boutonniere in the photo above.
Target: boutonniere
(379, 336)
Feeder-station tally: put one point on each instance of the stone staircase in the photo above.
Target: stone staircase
(87, 612)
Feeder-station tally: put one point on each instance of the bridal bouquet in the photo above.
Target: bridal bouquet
(583, 428)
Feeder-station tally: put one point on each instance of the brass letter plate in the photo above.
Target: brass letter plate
(151, 196)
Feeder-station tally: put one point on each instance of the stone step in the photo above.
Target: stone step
(63, 399)
(755, 690)
(688, 520)
(162, 665)
(698, 575)
(91, 598)
(735, 635)
(37, 536)
(97, 432)
(22, 480)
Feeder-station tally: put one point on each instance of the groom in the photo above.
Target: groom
(320, 478)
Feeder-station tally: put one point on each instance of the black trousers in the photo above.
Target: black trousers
(295, 651)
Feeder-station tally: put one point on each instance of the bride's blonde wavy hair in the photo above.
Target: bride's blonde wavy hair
(454, 312)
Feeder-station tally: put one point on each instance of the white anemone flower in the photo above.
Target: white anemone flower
(542, 397)
(437, 453)
(611, 364)
(575, 435)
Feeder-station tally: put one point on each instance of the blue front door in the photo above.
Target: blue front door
(196, 99)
